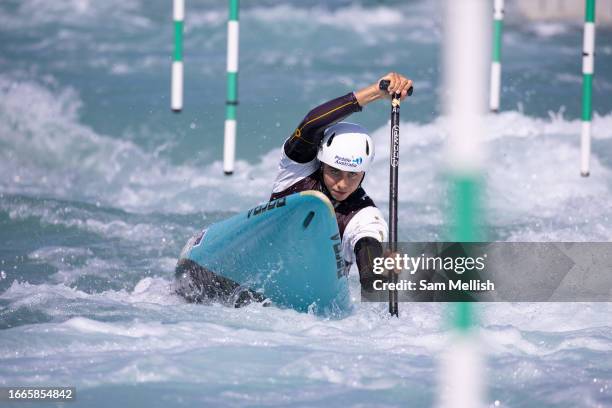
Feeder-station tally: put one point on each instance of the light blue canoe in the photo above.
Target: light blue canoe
(287, 250)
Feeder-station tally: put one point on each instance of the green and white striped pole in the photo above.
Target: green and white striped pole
(588, 67)
(466, 28)
(229, 147)
(176, 102)
(498, 25)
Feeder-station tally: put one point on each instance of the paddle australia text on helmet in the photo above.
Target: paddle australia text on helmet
(346, 146)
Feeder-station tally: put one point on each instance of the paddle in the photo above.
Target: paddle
(393, 167)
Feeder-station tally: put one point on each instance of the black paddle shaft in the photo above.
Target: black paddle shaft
(393, 185)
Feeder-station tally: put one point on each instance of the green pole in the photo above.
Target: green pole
(588, 68)
(229, 146)
(498, 24)
(176, 101)
(466, 208)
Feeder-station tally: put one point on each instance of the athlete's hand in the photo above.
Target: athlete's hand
(397, 84)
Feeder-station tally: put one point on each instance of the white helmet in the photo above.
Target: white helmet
(346, 146)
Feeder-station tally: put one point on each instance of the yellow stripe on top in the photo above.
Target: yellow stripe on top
(298, 132)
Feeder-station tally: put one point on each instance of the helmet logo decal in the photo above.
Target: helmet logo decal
(348, 162)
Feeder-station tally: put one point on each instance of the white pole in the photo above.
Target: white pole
(465, 65)
(229, 145)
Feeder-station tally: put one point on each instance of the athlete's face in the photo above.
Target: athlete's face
(341, 184)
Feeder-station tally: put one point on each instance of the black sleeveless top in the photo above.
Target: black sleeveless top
(345, 210)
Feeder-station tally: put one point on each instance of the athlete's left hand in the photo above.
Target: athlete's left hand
(397, 84)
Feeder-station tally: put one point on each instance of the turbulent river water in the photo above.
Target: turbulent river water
(101, 185)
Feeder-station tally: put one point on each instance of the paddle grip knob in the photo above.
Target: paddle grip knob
(384, 85)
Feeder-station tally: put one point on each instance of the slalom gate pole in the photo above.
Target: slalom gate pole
(176, 98)
(588, 68)
(498, 24)
(466, 27)
(393, 182)
(229, 142)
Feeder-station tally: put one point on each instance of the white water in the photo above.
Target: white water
(101, 186)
